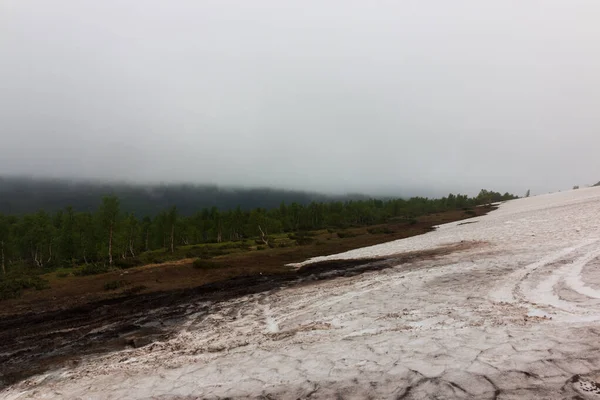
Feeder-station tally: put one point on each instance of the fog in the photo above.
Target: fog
(335, 96)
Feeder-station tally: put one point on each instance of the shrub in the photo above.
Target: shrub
(128, 263)
(91, 269)
(209, 252)
(135, 289)
(156, 260)
(204, 256)
(303, 241)
(301, 238)
(380, 230)
(13, 288)
(346, 234)
(205, 264)
(114, 285)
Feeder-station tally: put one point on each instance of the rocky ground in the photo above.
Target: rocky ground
(507, 306)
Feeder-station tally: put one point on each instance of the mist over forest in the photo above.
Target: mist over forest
(19, 195)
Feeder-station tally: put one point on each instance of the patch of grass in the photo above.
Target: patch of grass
(135, 289)
(205, 251)
(64, 272)
(114, 285)
(302, 238)
(281, 241)
(91, 269)
(205, 264)
(240, 244)
(13, 288)
(346, 234)
(380, 230)
(128, 263)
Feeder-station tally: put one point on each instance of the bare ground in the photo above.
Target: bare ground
(32, 343)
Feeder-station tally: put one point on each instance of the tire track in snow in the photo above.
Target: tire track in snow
(573, 278)
(507, 292)
(545, 293)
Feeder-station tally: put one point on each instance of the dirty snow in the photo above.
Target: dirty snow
(515, 316)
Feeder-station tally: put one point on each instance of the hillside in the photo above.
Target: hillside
(28, 195)
(501, 306)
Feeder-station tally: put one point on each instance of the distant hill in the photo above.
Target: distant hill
(27, 195)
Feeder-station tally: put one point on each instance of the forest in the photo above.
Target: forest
(20, 196)
(110, 236)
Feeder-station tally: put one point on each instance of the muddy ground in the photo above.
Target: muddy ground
(33, 343)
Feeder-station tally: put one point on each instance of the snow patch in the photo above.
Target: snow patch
(516, 318)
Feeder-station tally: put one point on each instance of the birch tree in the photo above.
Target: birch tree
(109, 211)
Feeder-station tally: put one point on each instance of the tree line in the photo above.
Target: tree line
(109, 235)
(20, 196)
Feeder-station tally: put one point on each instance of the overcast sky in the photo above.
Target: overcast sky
(370, 96)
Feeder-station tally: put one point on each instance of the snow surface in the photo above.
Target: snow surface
(516, 315)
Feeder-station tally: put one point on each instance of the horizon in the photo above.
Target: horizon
(98, 182)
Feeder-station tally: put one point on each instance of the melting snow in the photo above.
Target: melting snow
(515, 316)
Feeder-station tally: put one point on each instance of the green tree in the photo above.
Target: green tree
(172, 220)
(130, 230)
(86, 236)
(217, 223)
(109, 211)
(67, 243)
(4, 240)
(146, 229)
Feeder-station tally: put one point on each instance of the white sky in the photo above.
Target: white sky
(381, 96)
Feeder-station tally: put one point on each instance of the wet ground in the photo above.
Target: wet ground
(31, 344)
